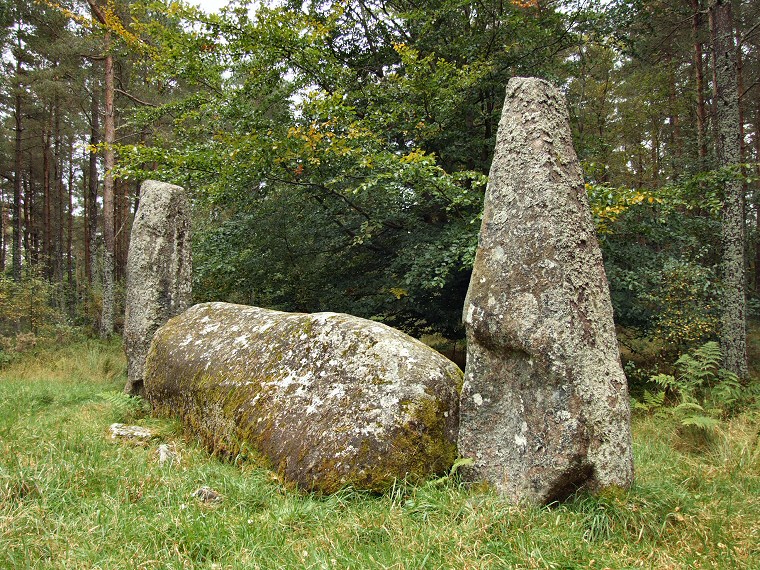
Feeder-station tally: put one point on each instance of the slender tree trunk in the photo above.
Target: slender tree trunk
(107, 316)
(733, 325)
(57, 204)
(757, 198)
(696, 24)
(91, 209)
(70, 224)
(655, 152)
(122, 231)
(46, 233)
(3, 243)
(109, 135)
(673, 119)
(18, 157)
(30, 241)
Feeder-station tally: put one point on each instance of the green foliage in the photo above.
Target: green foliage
(650, 402)
(337, 152)
(125, 408)
(28, 306)
(661, 252)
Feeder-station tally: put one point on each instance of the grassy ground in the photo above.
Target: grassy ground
(70, 498)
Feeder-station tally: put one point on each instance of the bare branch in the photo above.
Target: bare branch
(135, 99)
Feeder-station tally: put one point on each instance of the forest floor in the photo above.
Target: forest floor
(72, 498)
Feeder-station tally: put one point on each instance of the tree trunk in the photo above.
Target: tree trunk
(733, 325)
(673, 119)
(107, 315)
(696, 24)
(71, 296)
(109, 138)
(757, 199)
(30, 230)
(46, 233)
(655, 152)
(739, 91)
(16, 246)
(91, 210)
(57, 206)
(2, 230)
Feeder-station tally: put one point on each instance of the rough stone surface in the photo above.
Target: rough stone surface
(544, 407)
(326, 399)
(207, 495)
(167, 454)
(125, 432)
(159, 271)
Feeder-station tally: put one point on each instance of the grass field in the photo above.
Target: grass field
(71, 498)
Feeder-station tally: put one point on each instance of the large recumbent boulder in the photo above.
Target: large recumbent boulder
(327, 399)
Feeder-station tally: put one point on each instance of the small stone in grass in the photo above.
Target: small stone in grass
(134, 433)
(207, 495)
(167, 455)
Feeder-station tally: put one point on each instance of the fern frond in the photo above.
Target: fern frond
(709, 355)
(654, 400)
(702, 422)
(665, 380)
(687, 407)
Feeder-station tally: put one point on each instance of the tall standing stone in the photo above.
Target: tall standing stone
(159, 271)
(544, 408)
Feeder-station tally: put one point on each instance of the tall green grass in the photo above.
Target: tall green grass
(71, 498)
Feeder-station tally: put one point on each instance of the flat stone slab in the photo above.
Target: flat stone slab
(133, 433)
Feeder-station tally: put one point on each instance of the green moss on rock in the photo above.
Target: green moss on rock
(328, 399)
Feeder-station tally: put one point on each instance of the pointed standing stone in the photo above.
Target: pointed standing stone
(159, 271)
(544, 408)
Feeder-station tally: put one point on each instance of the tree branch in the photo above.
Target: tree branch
(135, 99)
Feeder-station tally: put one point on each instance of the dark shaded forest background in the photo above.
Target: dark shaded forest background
(337, 153)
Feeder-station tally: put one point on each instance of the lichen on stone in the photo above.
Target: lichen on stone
(328, 399)
(159, 271)
(544, 407)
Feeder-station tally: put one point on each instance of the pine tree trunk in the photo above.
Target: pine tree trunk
(18, 157)
(70, 233)
(46, 233)
(673, 118)
(696, 24)
(107, 315)
(109, 138)
(757, 199)
(57, 207)
(733, 325)
(2, 230)
(655, 152)
(91, 209)
(30, 229)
